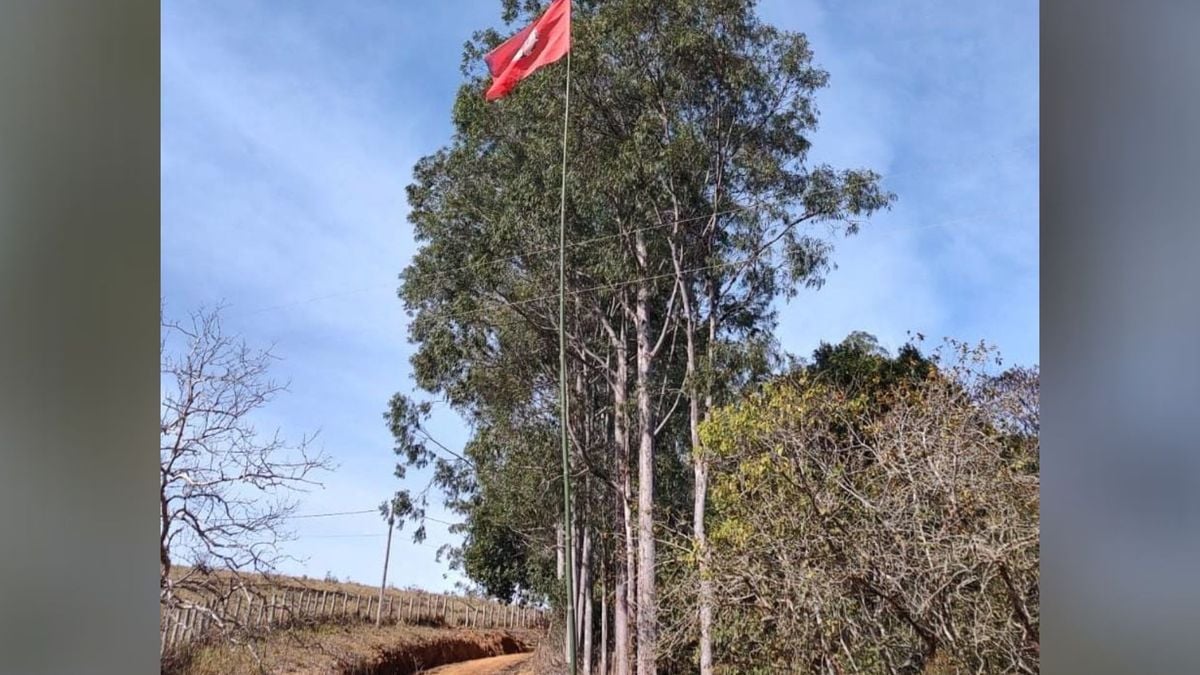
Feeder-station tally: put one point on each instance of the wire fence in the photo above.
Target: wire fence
(208, 616)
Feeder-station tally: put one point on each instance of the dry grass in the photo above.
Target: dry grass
(216, 582)
(340, 640)
(360, 649)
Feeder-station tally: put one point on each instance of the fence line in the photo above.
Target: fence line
(277, 608)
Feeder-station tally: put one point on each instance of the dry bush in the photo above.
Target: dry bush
(897, 534)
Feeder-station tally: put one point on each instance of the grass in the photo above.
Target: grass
(362, 649)
(339, 639)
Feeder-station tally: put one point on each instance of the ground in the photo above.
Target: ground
(512, 664)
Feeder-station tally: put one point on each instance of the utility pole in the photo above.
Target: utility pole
(391, 521)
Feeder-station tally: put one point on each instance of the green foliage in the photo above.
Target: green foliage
(690, 127)
(859, 366)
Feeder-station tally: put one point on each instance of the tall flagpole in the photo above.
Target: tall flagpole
(564, 404)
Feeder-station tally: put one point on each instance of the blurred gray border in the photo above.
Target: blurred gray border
(1120, 174)
(79, 267)
(79, 176)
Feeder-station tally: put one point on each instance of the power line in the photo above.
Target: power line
(586, 242)
(368, 535)
(635, 280)
(337, 536)
(339, 513)
(351, 513)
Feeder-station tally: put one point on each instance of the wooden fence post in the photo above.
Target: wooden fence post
(172, 622)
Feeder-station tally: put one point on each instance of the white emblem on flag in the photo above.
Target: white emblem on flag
(527, 47)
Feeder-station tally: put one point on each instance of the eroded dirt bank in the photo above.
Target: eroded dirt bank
(410, 658)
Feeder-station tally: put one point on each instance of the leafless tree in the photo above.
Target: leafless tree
(225, 489)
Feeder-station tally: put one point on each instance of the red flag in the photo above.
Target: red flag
(541, 43)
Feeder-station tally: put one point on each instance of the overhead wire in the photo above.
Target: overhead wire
(636, 280)
(587, 242)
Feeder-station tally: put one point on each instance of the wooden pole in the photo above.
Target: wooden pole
(564, 404)
(387, 553)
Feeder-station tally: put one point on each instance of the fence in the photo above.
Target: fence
(260, 609)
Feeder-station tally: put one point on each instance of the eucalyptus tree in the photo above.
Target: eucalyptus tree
(691, 206)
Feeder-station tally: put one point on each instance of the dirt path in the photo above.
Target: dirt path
(499, 665)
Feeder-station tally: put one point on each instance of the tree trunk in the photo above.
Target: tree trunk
(558, 551)
(623, 610)
(603, 621)
(582, 597)
(586, 668)
(701, 488)
(700, 466)
(560, 570)
(699, 460)
(699, 499)
(647, 602)
(631, 587)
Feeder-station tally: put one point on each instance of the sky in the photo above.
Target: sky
(290, 129)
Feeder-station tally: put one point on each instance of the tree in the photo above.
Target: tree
(871, 515)
(691, 207)
(225, 490)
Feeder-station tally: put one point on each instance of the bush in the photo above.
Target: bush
(888, 529)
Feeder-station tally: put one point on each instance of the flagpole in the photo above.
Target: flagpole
(562, 376)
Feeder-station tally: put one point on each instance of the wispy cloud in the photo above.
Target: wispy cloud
(941, 98)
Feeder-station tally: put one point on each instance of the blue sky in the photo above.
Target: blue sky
(289, 131)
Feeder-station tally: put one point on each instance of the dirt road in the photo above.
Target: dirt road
(498, 665)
